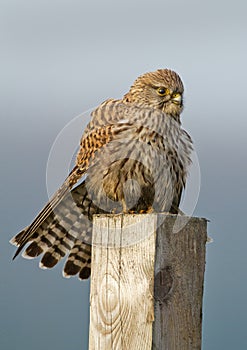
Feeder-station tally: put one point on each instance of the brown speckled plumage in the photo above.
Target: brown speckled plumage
(133, 157)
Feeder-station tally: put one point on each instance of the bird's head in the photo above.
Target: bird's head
(162, 89)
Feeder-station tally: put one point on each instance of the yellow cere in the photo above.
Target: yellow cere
(176, 98)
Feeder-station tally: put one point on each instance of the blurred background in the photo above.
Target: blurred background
(61, 58)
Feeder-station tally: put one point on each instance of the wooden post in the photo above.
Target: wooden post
(147, 282)
(179, 276)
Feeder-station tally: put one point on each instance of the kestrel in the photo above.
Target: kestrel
(133, 157)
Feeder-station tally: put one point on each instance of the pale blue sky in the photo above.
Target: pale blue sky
(61, 58)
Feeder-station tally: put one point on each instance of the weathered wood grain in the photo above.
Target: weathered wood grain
(179, 276)
(121, 310)
(145, 267)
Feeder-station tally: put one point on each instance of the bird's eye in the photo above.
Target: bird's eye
(163, 91)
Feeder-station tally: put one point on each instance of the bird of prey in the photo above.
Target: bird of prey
(133, 158)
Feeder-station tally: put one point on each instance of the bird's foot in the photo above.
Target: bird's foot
(149, 210)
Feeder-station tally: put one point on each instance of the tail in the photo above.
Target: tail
(67, 230)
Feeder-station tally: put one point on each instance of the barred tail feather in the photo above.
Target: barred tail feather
(67, 230)
(79, 260)
(16, 240)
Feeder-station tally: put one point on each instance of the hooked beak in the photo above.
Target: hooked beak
(177, 98)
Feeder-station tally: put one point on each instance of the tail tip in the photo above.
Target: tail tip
(14, 242)
(65, 275)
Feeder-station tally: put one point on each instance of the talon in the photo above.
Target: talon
(148, 211)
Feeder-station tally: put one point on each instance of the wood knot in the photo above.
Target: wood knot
(163, 284)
